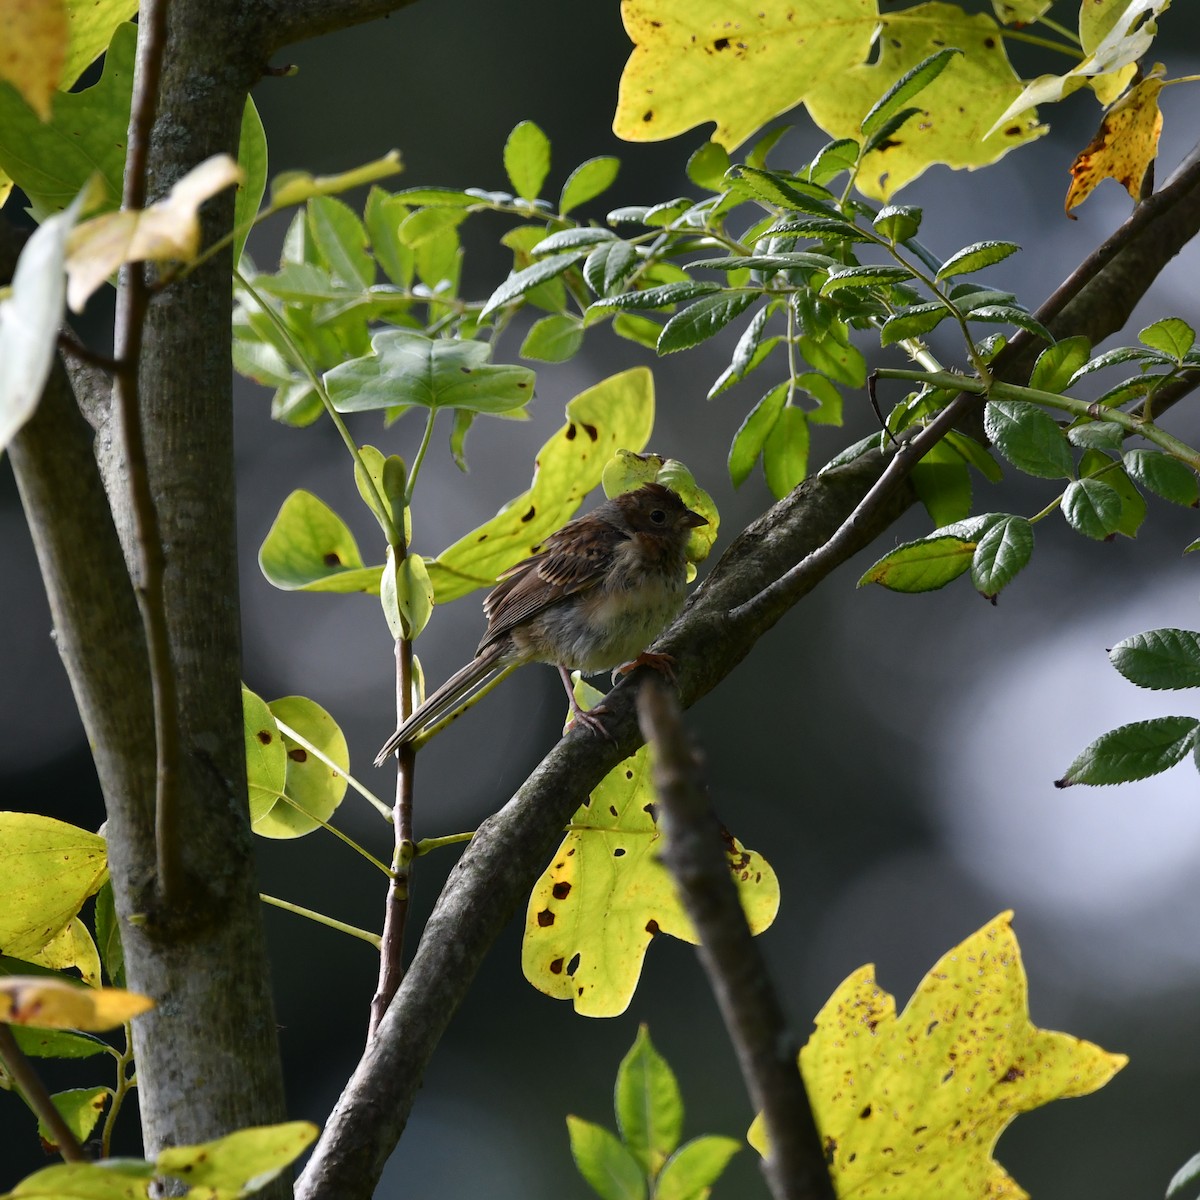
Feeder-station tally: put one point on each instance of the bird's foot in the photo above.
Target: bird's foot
(663, 663)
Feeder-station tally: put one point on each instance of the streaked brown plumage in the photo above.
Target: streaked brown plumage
(596, 594)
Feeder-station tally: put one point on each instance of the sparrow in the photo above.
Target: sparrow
(592, 598)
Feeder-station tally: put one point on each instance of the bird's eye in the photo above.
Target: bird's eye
(658, 516)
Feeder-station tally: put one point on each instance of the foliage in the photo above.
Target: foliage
(366, 311)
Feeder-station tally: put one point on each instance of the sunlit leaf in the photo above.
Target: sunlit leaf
(51, 1002)
(527, 159)
(310, 548)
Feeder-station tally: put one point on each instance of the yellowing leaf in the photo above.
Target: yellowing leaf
(958, 107)
(91, 23)
(1124, 146)
(35, 48)
(238, 1163)
(617, 412)
(49, 869)
(911, 1106)
(738, 65)
(167, 230)
(605, 894)
(52, 1003)
(73, 947)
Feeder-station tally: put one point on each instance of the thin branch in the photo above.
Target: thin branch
(37, 1097)
(766, 1046)
(288, 21)
(320, 918)
(133, 298)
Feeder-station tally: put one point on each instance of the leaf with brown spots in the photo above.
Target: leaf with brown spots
(53, 1003)
(606, 894)
(1125, 145)
(911, 1106)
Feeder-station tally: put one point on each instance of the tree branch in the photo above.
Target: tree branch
(286, 21)
(34, 1090)
(767, 1048)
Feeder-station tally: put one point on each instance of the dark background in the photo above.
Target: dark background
(893, 756)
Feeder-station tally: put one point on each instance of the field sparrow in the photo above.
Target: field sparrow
(596, 594)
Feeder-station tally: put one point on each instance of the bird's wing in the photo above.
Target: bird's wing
(565, 566)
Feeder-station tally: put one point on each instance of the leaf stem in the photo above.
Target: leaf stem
(125, 1084)
(420, 456)
(428, 845)
(321, 919)
(363, 791)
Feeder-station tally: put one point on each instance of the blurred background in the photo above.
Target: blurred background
(892, 755)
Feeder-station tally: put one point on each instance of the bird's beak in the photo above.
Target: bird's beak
(693, 519)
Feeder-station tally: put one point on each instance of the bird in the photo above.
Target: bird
(594, 596)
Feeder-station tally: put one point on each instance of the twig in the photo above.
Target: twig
(766, 1047)
(395, 917)
(71, 346)
(133, 298)
(38, 1098)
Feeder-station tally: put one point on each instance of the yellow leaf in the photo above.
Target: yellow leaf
(1125, 144)
(912, 1106)
(238, 1163)
(51, 1003)
(738, 64)
(34, 49)
(73, 947)
(958, 107)
(606, 894)
(167, 230)
(92, 23)
(49, 869)
(616, 412)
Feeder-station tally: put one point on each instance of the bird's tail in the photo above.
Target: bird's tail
(485, 668)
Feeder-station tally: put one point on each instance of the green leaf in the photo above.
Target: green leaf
(913, 322)
(383, 215)
(1030, 439)
(822, 228)
(1097, 464)
(568, 239)
(608, 266)
(1162, 659)
(604, 1162)
(408, 369)
(785, 452)
(80, 1108)
(841, 361)
(520, 282)
(692, 1170)
(898, 222)
(832, 159)
(1164, 476)
(658, 297)
(976, 455)
(114, 1179)
(707, 166)
(910, 84)
(943, 484)
(1000, 554)
(553, 339)
(1010, 314)
(1172, 336)
(588, 181)
(793, 195)
(1097, 435)
(702, 320)
(1114, 357)
(266, 755)
(309, 548)
(527, 159)
(864, 277)
(241, 1162)
(58, 1043)
(108, 936)
(51, 161)
(406, 594)
(1133, 752)
(1092, 508)
(1057, 364)
(312, 790)
(884, 136)
(641, 330)
(975, 257)
(252, 158)
(341, 241)
(748, 441)
(648, 1105)
(922, 566)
